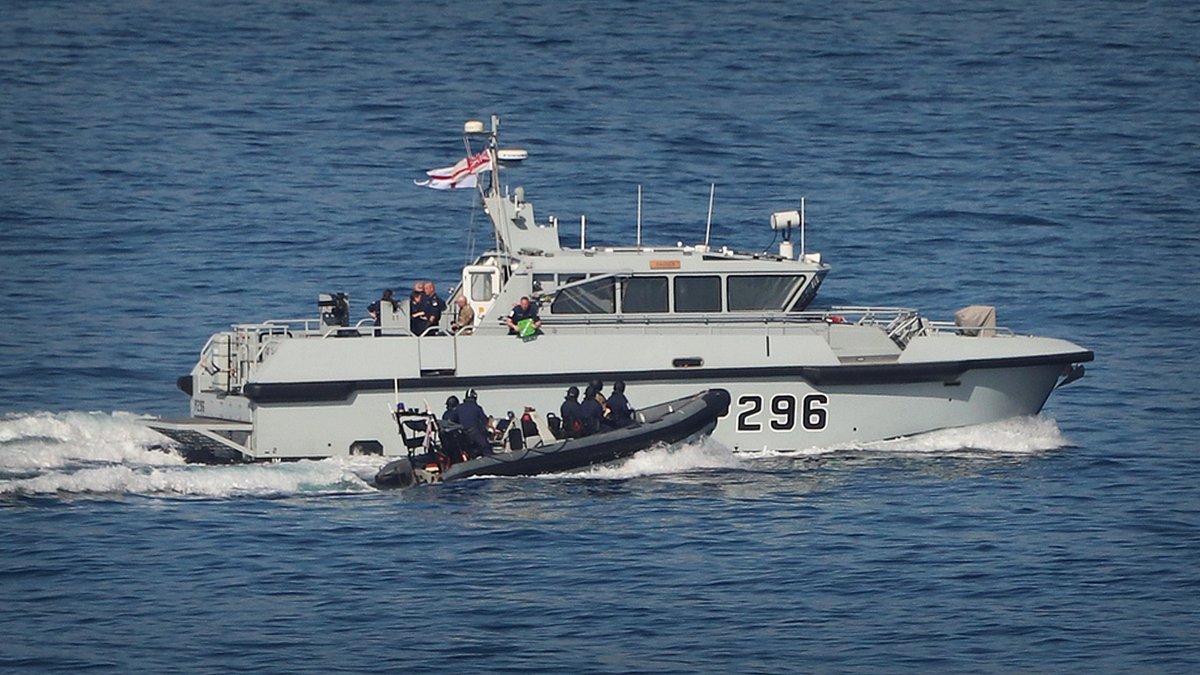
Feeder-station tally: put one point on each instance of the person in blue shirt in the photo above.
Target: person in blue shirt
(432, 307)
(451, 414)
(571, 414)
(417, 321)
(620, 414)
(475, 421)
(385, 304)
(591, 413)
(523, 310)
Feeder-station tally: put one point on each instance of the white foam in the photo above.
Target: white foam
(660, 460)
(244, 480)
(93, 453)
(46, 440)
(1017, 435)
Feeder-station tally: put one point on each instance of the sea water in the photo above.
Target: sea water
(170, 168)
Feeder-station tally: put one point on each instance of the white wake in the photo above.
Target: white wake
(1014, 436)
(77, 453)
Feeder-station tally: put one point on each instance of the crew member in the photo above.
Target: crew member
(464, 323)
(475, 421)
(590, 412)
(451, 414)
(417, 321)
(433, 307)
(620, 414)
(523, 310)
(598, 386)
(572, 426)
(384, 304)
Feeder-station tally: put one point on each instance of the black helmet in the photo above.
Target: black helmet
(452, 402)
(471, 395)
(573, 392)
(619, 387)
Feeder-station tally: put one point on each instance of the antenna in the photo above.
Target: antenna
(802, 228)
(712, 190)
(639, 218)
(582, 231)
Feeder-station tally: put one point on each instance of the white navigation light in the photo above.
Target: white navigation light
(785, 220)
(473, 127)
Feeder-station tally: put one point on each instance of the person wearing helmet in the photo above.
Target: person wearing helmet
(571, 414)
(591, 413)
(451, 414)
(597, 386)
(475, 421)
(620, 414)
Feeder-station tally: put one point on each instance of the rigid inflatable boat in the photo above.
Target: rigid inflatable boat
(672, 422)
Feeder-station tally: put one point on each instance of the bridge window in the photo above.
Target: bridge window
(593, 297)
(642, 295)
(760, 292)
(806, 297)
(698, 294)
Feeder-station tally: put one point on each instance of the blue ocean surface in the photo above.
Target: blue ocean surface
(169, 168)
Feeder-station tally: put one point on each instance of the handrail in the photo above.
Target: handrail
(893, 320)
(858, 315)
(951, 327)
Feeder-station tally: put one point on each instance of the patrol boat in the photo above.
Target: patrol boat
(665, 319)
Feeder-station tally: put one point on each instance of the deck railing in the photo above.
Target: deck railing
(252, 343)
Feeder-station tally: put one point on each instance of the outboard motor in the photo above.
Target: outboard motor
(334, 308)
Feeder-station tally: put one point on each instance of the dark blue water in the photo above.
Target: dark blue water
(169, 168)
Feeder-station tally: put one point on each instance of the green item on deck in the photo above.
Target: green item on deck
(525, 327)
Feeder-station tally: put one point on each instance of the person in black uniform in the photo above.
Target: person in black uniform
(455, 440)
(620, 414)
(524, 310)
(571, 414)
(417, 321)
(475, 421)
(451, 414)
(591, 413)
(384, 304)
(597, 386)
(432, 306)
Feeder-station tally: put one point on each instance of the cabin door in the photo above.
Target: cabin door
(482, 286)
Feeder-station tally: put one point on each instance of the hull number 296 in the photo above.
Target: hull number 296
(781, 413)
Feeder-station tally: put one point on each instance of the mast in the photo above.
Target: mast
(493, 155)
(512, 215)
